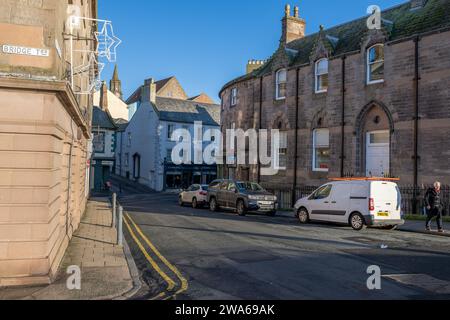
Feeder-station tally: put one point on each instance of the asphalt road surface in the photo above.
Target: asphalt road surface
(188, 254)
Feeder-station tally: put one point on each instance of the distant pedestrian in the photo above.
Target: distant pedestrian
(434, 206)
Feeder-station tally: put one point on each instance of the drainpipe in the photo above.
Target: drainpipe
(344, 58)
(260, 124)
(416, 156)
(69, 184)
(294, 196)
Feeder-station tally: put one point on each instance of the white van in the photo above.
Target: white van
(358, 203)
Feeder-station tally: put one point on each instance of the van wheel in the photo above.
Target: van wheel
(213, 205)
(303, 216)
(357, 221)
(180, 201)
(194, 203)
(240, 208)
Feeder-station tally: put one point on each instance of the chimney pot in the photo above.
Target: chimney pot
(287, 10)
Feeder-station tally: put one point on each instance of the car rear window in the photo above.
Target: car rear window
(205, 188)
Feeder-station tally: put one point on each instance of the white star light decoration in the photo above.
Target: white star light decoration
(93, 67)
(107, 42)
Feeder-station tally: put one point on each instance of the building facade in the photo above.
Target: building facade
(145, 145)
(111, 98)
(352, 100)
(44, 138)
(103, 161)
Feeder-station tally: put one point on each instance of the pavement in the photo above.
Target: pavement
(105, 271)
(187, 254)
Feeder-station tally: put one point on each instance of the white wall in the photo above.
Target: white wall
(116, 107)
(109, 144)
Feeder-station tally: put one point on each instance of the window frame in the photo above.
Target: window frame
(278, 83)
(369, 64)
(99, 138)
(234, 97)
(317, 75)
(314, 147)
(170, 130)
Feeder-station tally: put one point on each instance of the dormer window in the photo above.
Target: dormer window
(281, 83)
(375, 64)
(321, 76)
(234, 93)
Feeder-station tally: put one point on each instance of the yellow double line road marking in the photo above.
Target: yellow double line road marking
(170, 282)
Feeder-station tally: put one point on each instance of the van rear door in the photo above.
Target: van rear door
(386, 200)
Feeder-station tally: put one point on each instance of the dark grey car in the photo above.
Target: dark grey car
(241, 196)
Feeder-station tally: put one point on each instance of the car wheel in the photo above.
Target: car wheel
(357, 221)
(213, 205)
(240, 208)
(194, 203)
(180, 201)
(303, 216)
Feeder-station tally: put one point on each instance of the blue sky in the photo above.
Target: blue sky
(206, 43)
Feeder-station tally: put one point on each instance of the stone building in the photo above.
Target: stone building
(111, 98)
(44, 137)
(352, 100)
(144, 145)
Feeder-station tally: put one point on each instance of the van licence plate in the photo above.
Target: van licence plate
(383, 214)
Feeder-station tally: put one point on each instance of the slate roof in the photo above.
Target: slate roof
(136, 95)
(121, 124)
(400, 22)
(102, 119)
(175, 110)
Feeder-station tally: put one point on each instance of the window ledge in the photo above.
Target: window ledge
(321, 91)
(320, 170)
(375, 82)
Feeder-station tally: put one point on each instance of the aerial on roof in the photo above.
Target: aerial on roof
(399, 22)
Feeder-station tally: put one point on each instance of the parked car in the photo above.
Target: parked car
(242, 197)
(358, 203)
(196, 195)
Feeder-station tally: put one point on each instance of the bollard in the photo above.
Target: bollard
(119, 227)
(114, 210)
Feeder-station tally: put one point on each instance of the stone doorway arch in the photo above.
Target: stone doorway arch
(374, 130)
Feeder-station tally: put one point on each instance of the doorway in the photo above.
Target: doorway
(378, 153)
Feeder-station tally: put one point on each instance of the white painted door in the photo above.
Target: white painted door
(377, 153)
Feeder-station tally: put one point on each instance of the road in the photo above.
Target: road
(189, 254)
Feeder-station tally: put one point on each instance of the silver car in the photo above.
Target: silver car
(196, 196)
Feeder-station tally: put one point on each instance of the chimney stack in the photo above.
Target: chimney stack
(104, 96)
(418, 4)
(252, 65)
(149, 90)
(293, 26)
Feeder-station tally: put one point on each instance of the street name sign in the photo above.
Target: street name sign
(25, 51)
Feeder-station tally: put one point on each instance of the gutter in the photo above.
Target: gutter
(416, 119)
(297, 127)
(260, 123)
(344, 58)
